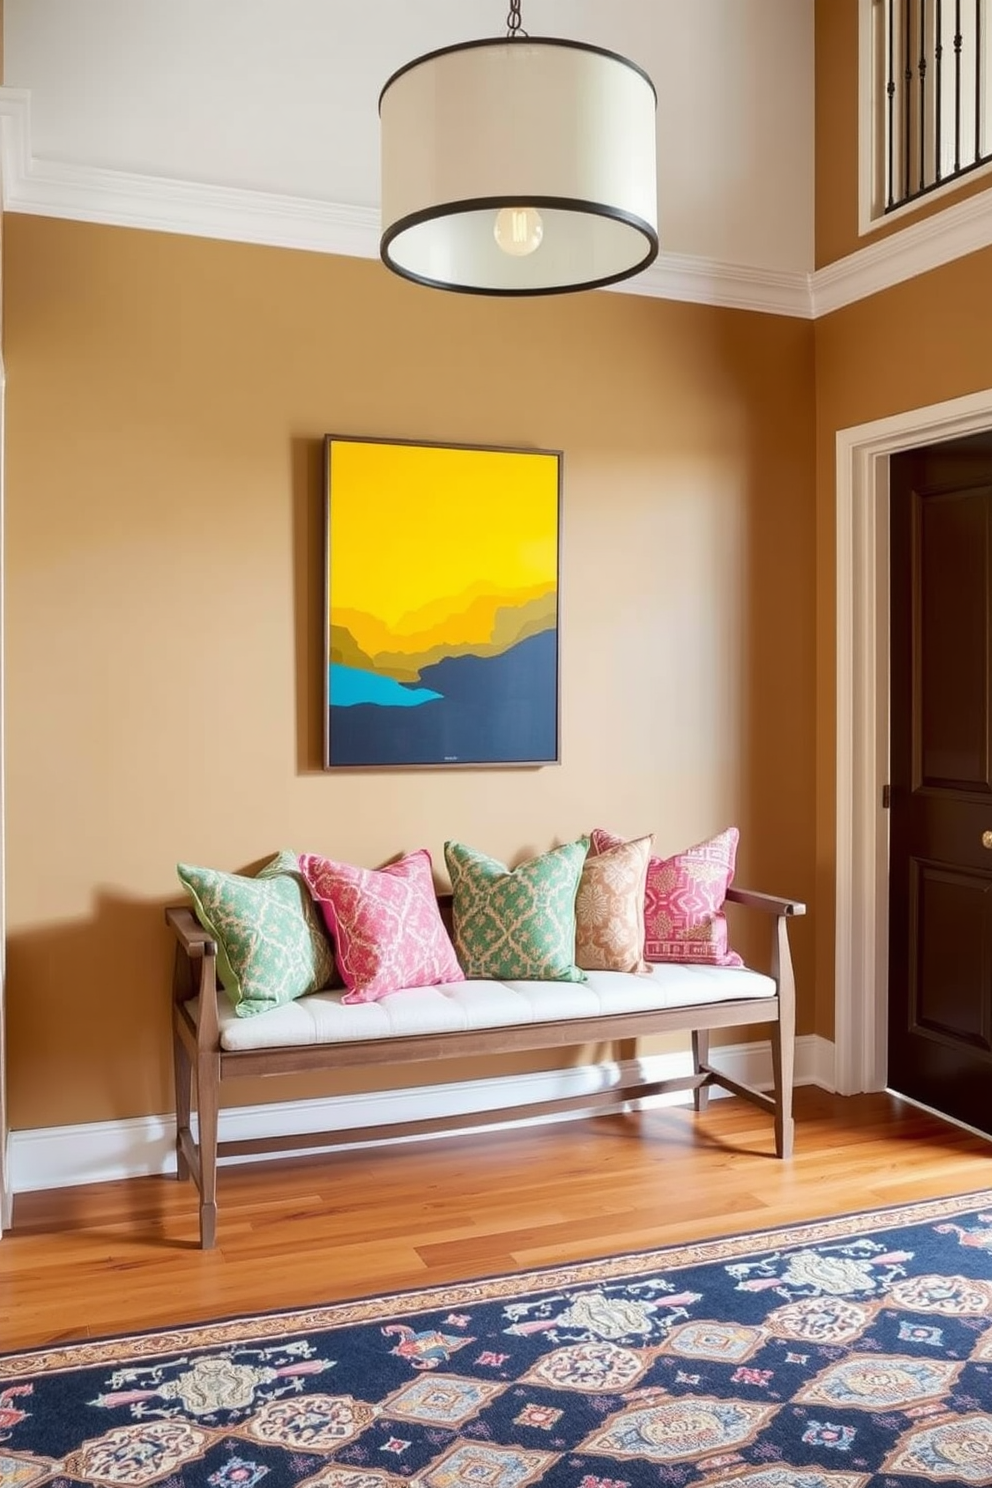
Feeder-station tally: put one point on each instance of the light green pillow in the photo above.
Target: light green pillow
(271, 946)
(516, 924)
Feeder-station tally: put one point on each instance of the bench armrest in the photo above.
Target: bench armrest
(783, 975)
(770, 903)
(191, 935)
(195, 974)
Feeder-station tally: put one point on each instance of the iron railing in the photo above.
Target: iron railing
(931, 74)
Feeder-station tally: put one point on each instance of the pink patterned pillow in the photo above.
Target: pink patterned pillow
(386, 925)
(683, 900)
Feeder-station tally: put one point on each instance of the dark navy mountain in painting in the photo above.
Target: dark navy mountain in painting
(491, 710)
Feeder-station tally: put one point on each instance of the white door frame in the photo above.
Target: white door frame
(861, 929)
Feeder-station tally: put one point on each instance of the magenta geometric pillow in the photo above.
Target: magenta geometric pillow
(684, 898)
(385, 923)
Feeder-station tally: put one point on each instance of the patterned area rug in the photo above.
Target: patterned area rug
(844, 1353)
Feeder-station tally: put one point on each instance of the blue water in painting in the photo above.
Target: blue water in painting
(350, 687)
(487, 710)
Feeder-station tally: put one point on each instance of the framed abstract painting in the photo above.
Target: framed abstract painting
(441, 606)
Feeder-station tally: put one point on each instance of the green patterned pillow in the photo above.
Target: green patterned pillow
(519, 924)
(271, 946)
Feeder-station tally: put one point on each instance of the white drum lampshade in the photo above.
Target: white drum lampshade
(519, 166)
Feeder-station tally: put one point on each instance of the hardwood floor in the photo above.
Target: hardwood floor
(121, 1256)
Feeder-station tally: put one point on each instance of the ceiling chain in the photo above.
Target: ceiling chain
(514, 25)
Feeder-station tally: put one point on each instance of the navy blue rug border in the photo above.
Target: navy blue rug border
(243, 1327)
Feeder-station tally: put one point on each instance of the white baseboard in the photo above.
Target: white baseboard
(101, 1151)
(817, 1057)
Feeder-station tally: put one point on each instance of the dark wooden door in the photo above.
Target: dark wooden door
(940, 865)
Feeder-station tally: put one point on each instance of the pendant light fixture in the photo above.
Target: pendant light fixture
(518, 166)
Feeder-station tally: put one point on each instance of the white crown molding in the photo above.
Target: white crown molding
(916, 249)
(705, 281)
(52, 188)
(49, 188)
(103, 1151)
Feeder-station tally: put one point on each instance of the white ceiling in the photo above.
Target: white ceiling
(279, 97)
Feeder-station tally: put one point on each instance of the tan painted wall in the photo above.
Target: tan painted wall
(836, 41)
(836, 129)
(166, 402)
(916, 344)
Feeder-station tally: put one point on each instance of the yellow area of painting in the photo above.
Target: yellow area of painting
(421, 536)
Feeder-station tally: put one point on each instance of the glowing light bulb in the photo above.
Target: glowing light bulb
(518, 230)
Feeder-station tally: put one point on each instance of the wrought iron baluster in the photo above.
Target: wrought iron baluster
(957, 86)
(923, 94)
(978, 81)
(907, 133)
(938, 60)
(890, 89)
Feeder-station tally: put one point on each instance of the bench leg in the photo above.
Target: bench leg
(623, 1052)
(207, 1100)
(183, 1076)
(700, 1056)
(784, 1040)
(783, 1058)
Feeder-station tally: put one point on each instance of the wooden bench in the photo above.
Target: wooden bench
(202, 1018)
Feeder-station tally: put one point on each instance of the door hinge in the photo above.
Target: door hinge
(886, 797)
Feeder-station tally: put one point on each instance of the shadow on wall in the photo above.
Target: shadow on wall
(88, 1018)
(308, 601)
(99, 1047)
(88, 1014)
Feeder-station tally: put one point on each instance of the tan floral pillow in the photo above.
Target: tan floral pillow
(609, 908)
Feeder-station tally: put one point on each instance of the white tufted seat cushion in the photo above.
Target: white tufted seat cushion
(457, 1007)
